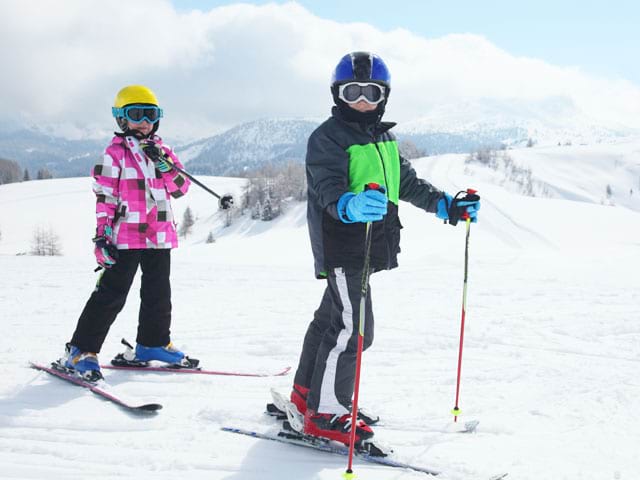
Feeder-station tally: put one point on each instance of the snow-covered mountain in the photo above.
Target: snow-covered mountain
(551, 355)
(455, 128)
(249, 146)
(459, 128)
(468, 125)
(34, 150)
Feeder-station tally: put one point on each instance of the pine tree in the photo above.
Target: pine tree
(187, 222)
(26, 176)
(267, 210)
(44, 174)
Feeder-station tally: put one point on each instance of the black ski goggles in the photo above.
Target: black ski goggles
(138, 113)
(353, 92)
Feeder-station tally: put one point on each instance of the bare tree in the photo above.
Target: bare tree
(45, 242)
(10, 171)
(272, 186)
(409, 150)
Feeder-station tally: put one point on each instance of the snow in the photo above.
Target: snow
(552, 344)
(546, 121)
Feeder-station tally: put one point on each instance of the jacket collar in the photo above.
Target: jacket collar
(373, 130)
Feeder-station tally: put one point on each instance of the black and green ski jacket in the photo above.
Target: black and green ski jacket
(343, 157)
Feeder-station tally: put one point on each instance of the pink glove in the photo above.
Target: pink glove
(106, 253)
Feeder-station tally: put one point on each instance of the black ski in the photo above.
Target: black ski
(101, 389)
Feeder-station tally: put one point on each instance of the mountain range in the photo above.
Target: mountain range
(454, 128)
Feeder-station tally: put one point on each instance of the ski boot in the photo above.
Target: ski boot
(299, 399)
(335, 427)
(83, 364)
(141, 356)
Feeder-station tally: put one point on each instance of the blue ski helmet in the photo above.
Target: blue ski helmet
(360, 67)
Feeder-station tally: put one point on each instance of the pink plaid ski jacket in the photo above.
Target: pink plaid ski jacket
(134, 199)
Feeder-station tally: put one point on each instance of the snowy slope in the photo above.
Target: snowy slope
(552, 346)
(514, 121)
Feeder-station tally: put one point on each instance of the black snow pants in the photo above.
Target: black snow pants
(328, 360)
(110, 295)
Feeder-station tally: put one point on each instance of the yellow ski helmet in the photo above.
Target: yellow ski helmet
(135, 95)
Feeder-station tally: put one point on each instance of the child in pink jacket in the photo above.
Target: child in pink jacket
(134, 183)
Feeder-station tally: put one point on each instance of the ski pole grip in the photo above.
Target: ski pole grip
(374, 186)
(471, 196)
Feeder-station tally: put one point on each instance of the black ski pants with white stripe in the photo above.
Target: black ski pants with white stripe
(110, 295)
(328, 360)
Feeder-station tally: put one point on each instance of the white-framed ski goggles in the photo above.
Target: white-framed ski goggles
(353, 92)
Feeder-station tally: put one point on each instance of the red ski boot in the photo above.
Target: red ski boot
(299, 397)
(335, 427)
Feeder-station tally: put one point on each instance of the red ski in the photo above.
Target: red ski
(170, 369)
(99, 388)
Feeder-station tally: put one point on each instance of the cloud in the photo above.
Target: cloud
(66, 60)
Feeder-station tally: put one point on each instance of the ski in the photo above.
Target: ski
(291, 438)
(328, 447)
(101, 390)
(172, 369)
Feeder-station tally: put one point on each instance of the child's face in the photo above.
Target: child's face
(363, 106)
(143, 127)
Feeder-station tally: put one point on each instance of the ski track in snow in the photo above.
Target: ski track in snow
(550, 366)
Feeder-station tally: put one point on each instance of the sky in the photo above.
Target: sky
(598, 36)
(216, 64)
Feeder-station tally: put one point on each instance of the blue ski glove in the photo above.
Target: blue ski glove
(367, 206)
(454, 209)
(443, 206)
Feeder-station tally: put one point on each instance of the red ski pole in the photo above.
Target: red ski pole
(467, 218)
(348, 475)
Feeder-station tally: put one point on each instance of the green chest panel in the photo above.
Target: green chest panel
(378, 163)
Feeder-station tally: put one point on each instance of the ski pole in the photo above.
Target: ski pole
(364, 287)
(225, 201)
(154, 152)
(465, 216)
